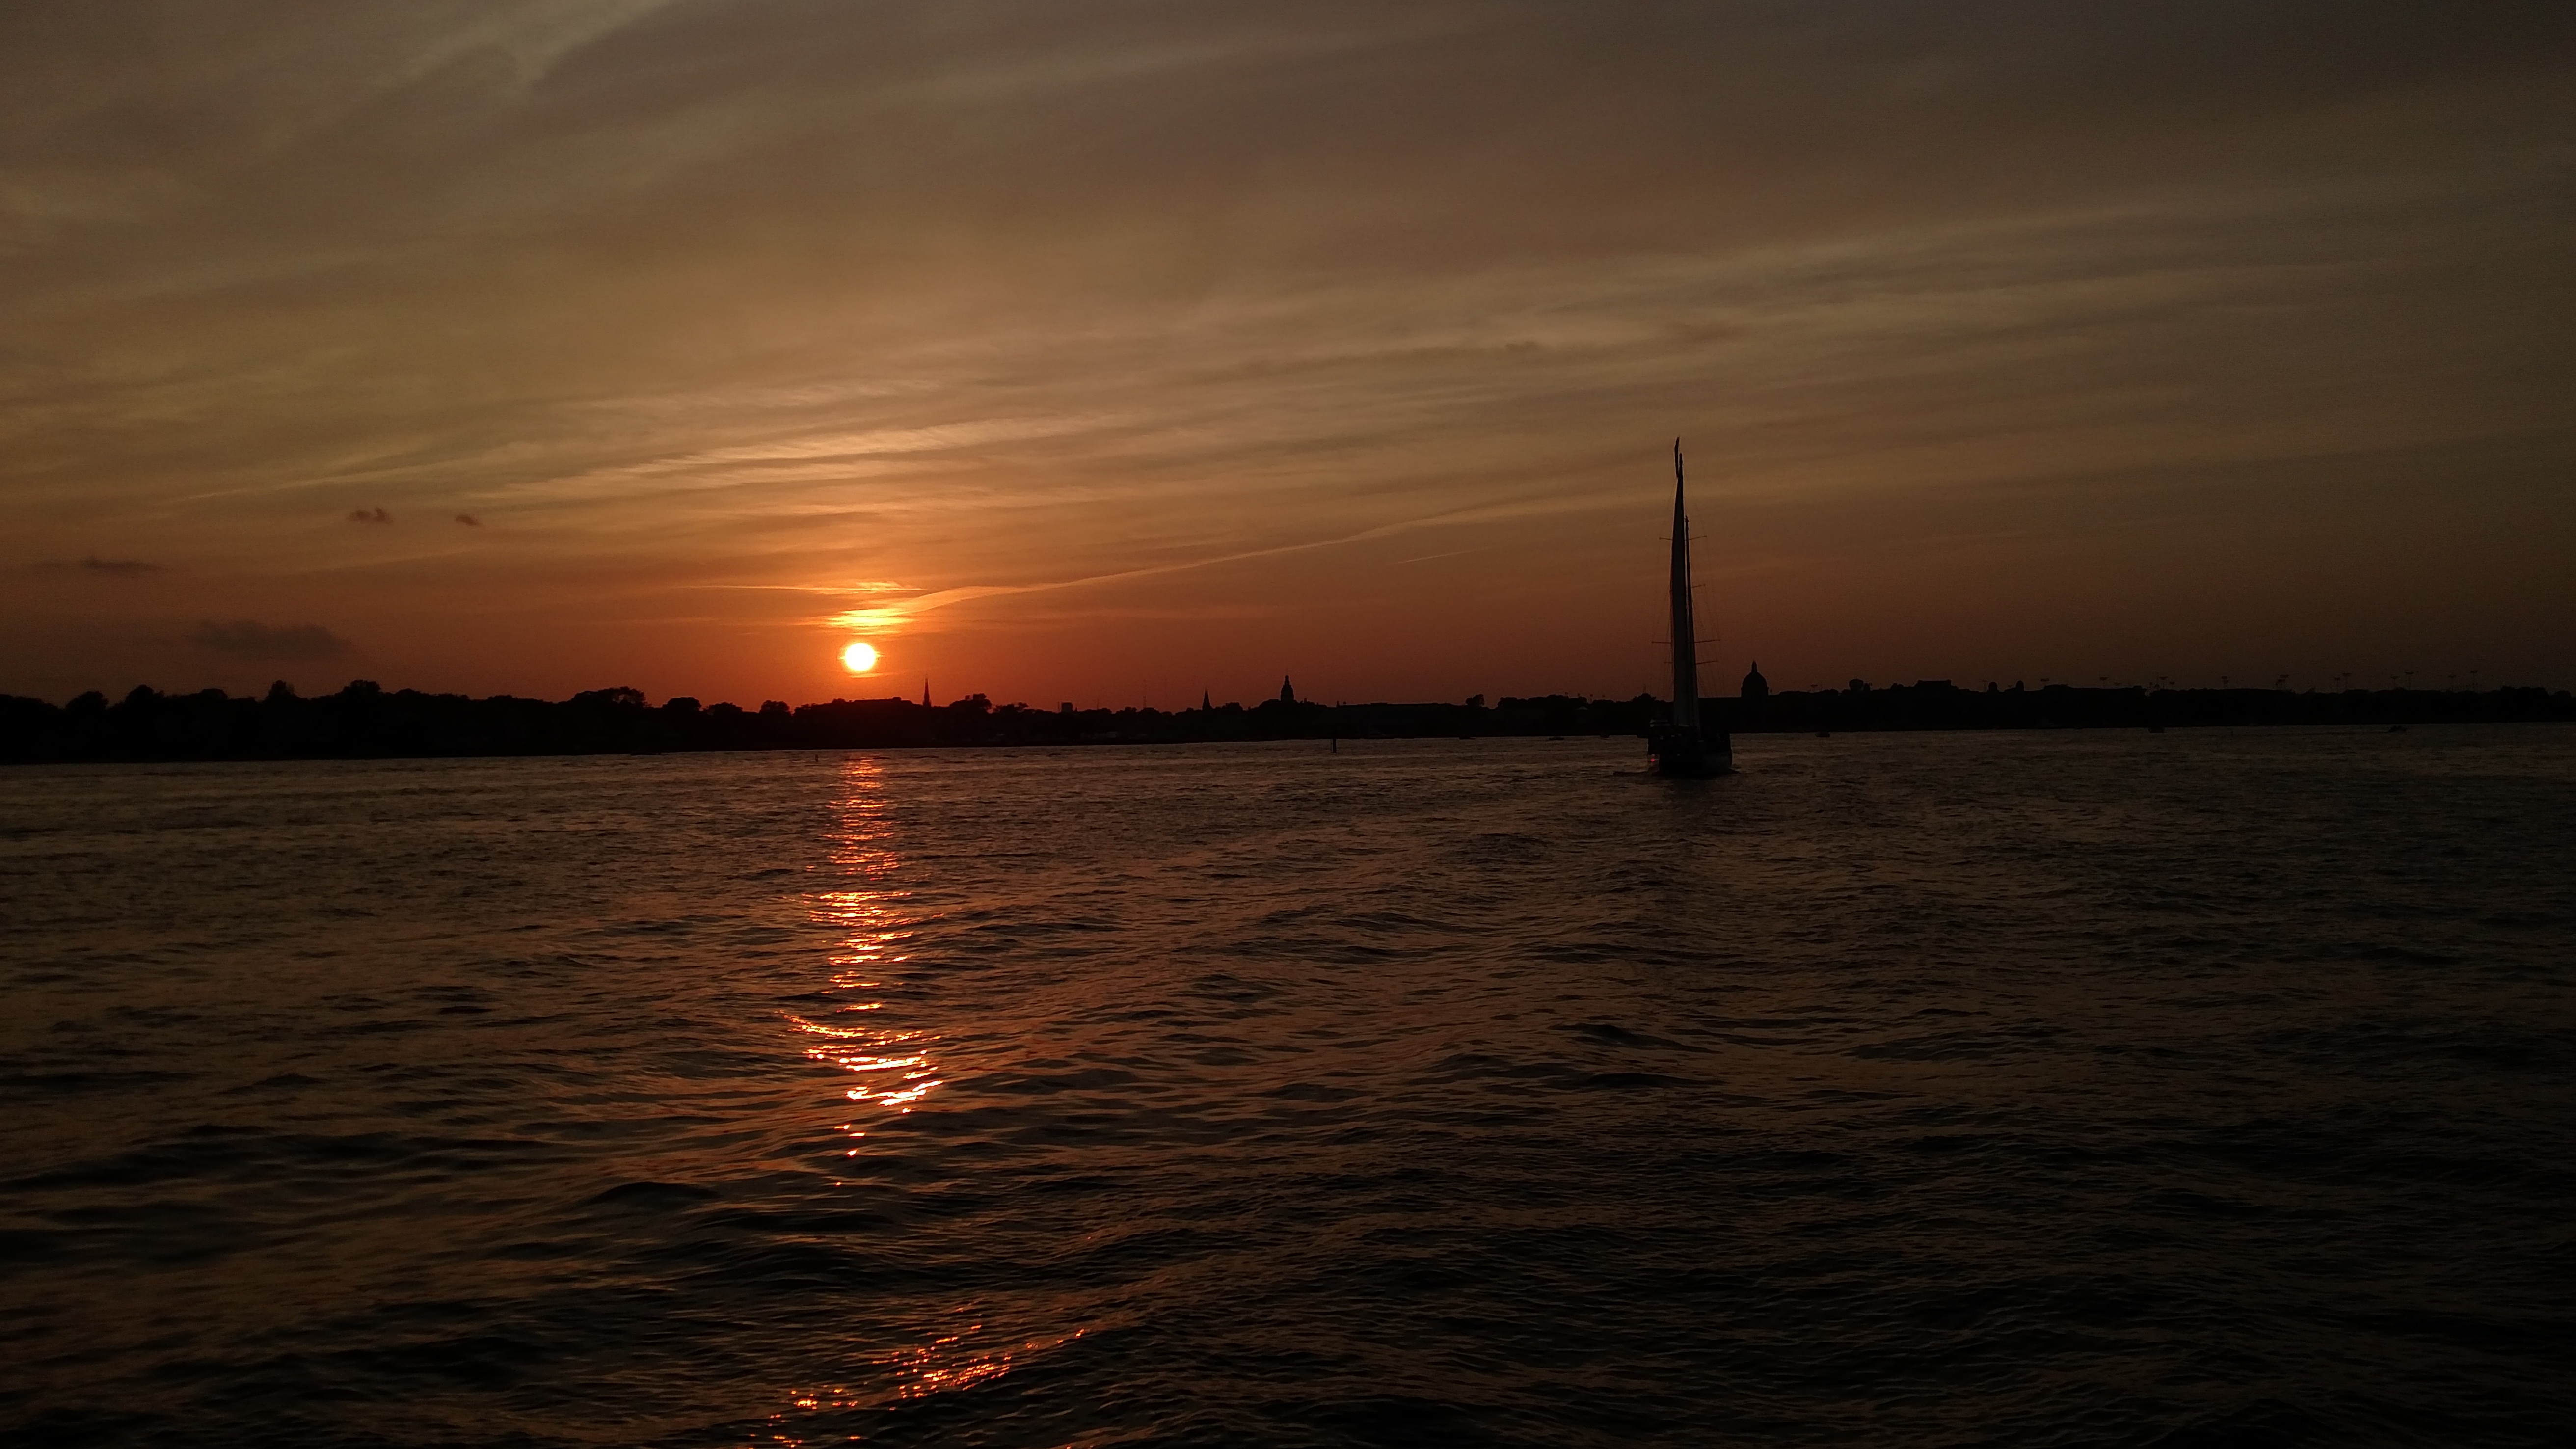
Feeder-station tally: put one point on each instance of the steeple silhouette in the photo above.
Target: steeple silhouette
(1203, 702)
(1287, 693)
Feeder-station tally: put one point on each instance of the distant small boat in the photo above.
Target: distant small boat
(1682, 745)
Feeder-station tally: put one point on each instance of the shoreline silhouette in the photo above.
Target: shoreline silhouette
(365, 721)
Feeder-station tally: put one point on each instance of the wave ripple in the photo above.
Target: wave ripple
(2040, 1090)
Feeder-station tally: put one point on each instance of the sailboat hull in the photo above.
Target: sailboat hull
(1688, 754)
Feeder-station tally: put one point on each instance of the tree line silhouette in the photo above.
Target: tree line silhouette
(366, 721)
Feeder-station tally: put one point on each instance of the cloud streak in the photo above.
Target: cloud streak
(1205, 303)
(250, 639)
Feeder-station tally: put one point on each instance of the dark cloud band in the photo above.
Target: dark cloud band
(249, 639)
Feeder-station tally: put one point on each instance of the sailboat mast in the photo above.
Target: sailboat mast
(1685, 635)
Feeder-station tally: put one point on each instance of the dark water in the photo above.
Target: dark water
(2200, 1089)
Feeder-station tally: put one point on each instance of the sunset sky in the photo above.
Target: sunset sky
(1113, 352)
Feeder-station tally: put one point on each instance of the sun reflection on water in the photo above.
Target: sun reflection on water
(892, 1067)
(864, 907)
(957, 1360)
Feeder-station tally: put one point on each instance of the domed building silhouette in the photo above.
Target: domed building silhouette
(1755, 686)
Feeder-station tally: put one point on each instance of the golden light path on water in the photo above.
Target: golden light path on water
(863, 904)
(893, 1065)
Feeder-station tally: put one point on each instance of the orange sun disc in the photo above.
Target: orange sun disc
(859, 658)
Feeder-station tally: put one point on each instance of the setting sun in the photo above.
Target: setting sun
(859, 658)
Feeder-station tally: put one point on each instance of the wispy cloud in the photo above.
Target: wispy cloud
(250, 639)
(1016, 301)
(894, 616)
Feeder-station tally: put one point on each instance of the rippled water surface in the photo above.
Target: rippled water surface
(1913, 1089)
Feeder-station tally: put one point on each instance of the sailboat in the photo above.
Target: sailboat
(1682, 746)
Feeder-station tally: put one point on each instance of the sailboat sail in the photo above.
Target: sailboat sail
(1684, 746)
(1685, 630)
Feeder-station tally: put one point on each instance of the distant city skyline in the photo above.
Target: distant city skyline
(1114, 352)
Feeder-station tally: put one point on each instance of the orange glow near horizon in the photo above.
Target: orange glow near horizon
(1123, 360)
